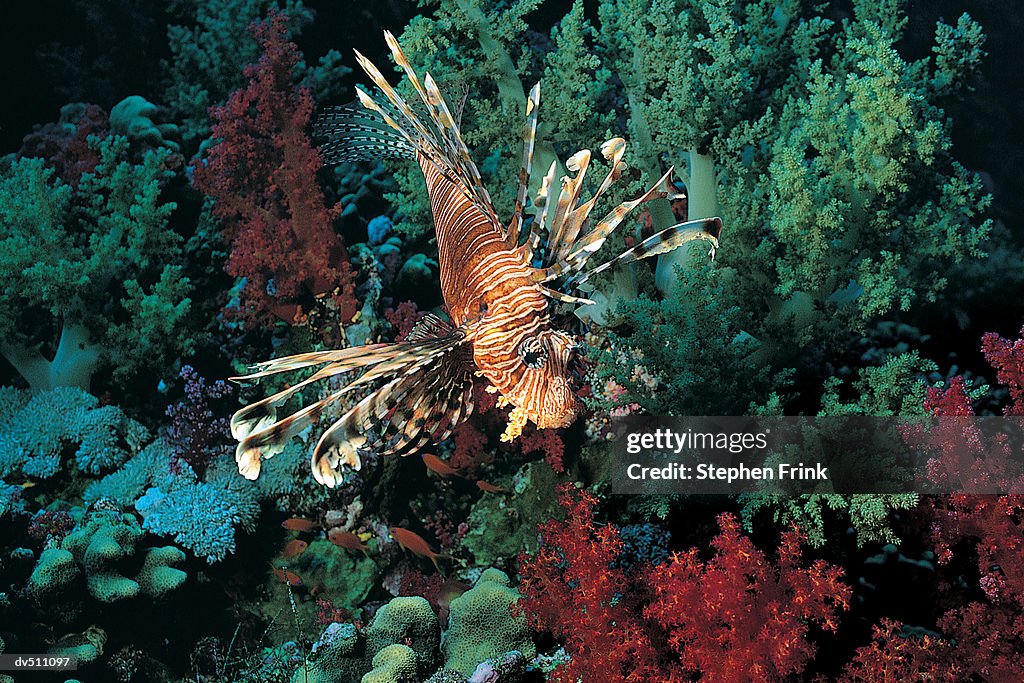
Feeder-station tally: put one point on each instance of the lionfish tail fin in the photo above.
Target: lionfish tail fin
(420, 388)
(706, 229)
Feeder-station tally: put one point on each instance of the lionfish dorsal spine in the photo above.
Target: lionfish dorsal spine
(529, 143)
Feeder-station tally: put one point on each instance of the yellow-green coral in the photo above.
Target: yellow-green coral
(393, 664)
(483, 625)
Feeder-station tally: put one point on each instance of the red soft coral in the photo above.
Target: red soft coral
(1007, 357)
(739, 617)
(735, 617)
(547, 441)
(571, 589)
(261, 173)
(987, 635)
(403, 318)
(65, 146)
(893, 657)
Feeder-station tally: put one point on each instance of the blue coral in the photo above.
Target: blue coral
(201, 516)
(35, 433)
(643, 544)
(150, 467)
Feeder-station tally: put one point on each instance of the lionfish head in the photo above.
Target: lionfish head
(544, 389)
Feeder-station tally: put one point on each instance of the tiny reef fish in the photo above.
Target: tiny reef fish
(416, 544)
(497, 285)
(490, 488)
(346, 540)
(285, 575)
(299, 524)
(293, 548)
(439, 466)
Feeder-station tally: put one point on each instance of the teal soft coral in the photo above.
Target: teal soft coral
(96, 262)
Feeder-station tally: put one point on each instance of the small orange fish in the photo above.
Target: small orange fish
(346, 540)
(299, 524)
(293, 548)
(490, 488)
(285, 576)
(415, 544)
(439, 466)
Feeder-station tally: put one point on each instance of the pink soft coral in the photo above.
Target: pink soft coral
(261, 174)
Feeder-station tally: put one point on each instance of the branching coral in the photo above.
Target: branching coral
(201, 514)
(894, 388)
(855, 199)
(988, 633)
(687, 355)
(38, 432)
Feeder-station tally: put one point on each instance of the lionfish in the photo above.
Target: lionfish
(416, 391)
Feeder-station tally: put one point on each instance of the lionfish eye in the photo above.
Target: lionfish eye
(533, 353)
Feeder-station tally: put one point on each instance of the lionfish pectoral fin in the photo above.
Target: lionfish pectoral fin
(707, 229)
(421, 405)
(262, 433)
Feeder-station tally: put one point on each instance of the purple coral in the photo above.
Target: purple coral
(197, 433)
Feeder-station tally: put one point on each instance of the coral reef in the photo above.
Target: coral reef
(175, 223)
(686, 617)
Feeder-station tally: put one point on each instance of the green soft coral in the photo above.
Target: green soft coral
(90, 273)
(825, 152)
(895, 388)
(687, 355)
(862, 188)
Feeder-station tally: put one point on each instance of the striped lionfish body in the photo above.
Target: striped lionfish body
(415, 392)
